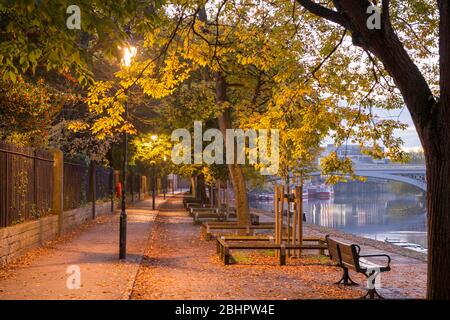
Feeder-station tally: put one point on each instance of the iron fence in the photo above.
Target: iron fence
(26, 184)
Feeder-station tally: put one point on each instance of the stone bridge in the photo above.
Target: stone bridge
(410, 174)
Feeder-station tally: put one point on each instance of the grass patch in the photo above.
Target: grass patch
(241, 257)
(316, 259)
(268, 253)
(249, 256)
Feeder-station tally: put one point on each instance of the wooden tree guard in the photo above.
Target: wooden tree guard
(219, 199)
(288, 219)
(294, 224)
(298, 224)
(292, 231)
(278, 208)
(211, 195)
(276, 211)
(281, 223)
(227, 198)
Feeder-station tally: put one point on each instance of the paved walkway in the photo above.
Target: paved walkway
(178, 264)
(42, 274)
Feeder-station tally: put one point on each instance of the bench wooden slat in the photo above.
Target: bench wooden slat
(202, 209)
(259, 245)
(261, 238)
(333, 250)
(218, 224)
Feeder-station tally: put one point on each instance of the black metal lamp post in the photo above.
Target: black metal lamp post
(129, 53)
(173, 183)
(154, 181)
(164, 180)
(123, 212)
(164, 187)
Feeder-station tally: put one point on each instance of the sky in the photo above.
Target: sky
(410, 137)
(411, 141)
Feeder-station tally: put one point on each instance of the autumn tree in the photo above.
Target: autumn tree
(411, 32)
(27, 111)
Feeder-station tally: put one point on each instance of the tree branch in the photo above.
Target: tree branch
(317, 68)
(325, 13)
(385, 14)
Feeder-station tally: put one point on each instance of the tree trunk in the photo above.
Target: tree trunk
(437, 151)
(201, 188)
(235, 170)
(193, 187)
(438, 205)
(240, 191)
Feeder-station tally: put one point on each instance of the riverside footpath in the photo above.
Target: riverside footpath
(92, 249)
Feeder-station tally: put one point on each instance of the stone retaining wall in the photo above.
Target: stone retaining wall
(19, 239)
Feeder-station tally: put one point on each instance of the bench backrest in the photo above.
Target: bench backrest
(346, 255)
(191, 199)
(333, 249)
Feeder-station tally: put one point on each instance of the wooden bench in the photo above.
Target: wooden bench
(211, 214)
(190, 205)
(232, 212)
(193, 210)
(269, 238)
(348, 256)
(187, 200)
(208, 227)
(224, 246)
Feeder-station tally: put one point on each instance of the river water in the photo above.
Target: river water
(376, 215)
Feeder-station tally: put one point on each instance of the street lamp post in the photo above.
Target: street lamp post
(154, 137)
(129, 53)
(123, 212)
(153, 186)
(165, 180)
(164, 187)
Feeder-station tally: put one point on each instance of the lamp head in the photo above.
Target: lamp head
(128, 54)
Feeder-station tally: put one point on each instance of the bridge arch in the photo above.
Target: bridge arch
(388, 176)
(393, 177)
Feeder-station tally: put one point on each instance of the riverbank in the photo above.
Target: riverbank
(381, 245)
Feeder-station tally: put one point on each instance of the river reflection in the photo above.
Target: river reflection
(373, 215)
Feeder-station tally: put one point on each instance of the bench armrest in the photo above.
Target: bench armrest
(377, 255)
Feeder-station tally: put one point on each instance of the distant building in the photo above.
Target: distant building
(354, 153)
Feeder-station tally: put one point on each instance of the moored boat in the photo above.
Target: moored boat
(405, 244)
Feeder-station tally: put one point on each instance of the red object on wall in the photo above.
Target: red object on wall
(118, 189)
